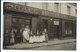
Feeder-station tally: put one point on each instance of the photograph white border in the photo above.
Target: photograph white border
(77, 34)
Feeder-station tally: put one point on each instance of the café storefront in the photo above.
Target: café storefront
(17, 16)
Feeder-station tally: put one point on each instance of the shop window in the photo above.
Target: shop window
(45, 22)
(68, 28)
(19, 24)
(42, 24)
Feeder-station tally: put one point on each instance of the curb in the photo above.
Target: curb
(26, 48)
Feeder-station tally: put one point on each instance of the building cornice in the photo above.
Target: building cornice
(74, 4)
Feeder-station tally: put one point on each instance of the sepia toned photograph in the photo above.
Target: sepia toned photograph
(39, 26)
(40, 0)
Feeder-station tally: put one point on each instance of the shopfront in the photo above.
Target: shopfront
(42, 24)
(70, 29)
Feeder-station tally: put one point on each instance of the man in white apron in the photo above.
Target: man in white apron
(26, 33)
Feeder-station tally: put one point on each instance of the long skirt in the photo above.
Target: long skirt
(12, 40)
(31, 39)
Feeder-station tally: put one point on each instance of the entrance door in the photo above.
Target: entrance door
(56, 31)
(18, 24)
(53, 29)
(45, 24)
(56, 28)
(50, 30)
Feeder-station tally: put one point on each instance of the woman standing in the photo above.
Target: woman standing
(12, 37)
(45, 35)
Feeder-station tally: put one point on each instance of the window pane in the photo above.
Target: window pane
(68, 10)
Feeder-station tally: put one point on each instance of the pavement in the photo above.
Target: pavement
(34, 45)
(66, 46)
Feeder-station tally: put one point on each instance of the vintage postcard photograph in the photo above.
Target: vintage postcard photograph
(39, 26)
(40, 0)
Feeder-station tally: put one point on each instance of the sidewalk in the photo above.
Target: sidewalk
(28, 46)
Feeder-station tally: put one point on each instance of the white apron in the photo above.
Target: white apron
(31, 39)
(12, 37)
(26, 34)
(34, 38)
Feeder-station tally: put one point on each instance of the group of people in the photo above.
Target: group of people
(34, 38)
(31, 39)
(38, 38)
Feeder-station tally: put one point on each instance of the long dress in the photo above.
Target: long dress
(26, 33)
(12, 35)
(31, 40)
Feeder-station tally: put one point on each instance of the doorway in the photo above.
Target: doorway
(56, 28)
(56, 31)
(53, 29)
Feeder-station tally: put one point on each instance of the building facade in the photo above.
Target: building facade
(59, 20)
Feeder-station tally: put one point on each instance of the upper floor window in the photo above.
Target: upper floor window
(75, 11)
(22, 3)
(56, 7)
(68, 10)
(45, 6)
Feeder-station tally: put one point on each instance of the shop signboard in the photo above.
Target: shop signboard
(56, 22)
